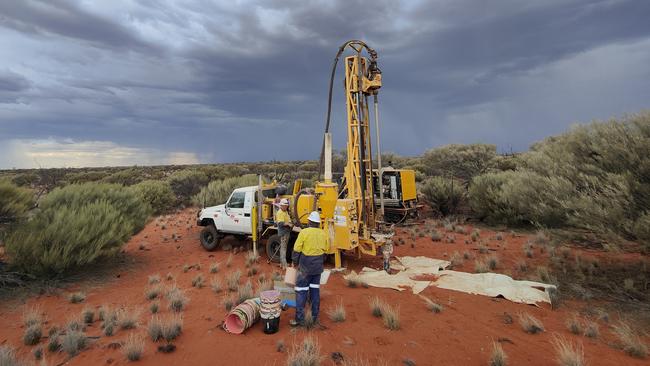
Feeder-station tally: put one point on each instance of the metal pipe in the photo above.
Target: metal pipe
(328, 157)
(380, 170)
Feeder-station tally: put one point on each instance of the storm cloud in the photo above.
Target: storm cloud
(158, 82)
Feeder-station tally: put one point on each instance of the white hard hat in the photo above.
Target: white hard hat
(284, 202)
(314, 216)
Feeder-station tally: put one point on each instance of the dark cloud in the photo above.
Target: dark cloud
(249, 82)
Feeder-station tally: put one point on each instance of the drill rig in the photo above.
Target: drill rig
(354, 220)
(349, 211)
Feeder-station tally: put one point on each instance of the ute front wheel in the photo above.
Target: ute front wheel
(210, 238)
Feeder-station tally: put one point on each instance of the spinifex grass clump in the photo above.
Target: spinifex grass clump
(198, 281)
(133, 347)
(530, 324)
(376, 306)
(73, 341)
(245, 292)
(33, 334)
(177, 299)
(216, 285)
(568, 354)
(77, 297)
(337, 314)
(88, 315)
(630, 341)
(232, 280)
(128, 319)
(391, 317)
(499, 357)
(307, 354)
(433, 306)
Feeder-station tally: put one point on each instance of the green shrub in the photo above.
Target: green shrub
(156, 193)
(76, 226)
(642, 229)
(444, 195)
(125, 177)
(461, 161)
(125, 201)
(187, 183)
(217, 192)
(14, 201)
(520, 197)
(594, 177)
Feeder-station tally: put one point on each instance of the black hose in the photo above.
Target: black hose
(373, 56)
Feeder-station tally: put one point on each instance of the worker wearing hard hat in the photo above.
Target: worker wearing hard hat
(283, 221)
(308, 254)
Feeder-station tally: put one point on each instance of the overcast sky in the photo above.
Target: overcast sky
(95, 83)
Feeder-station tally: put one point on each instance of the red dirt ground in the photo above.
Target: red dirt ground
(461, 334)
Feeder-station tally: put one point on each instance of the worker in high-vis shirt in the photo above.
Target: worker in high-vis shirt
(283, 221)
(309, 255)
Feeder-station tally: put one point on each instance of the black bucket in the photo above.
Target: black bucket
(271, 325)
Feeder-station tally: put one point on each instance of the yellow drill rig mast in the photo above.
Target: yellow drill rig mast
(354, 220)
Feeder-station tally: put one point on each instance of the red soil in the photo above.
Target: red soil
(461, 334)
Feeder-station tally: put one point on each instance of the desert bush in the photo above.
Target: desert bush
(337, 314)
(593, 177)
(520, 197)
(459, 161)
(492, 262)
(568, 354)
(152, 292)
(76, 226)
(217, 192)
(498, 357)
(444, 195)
(642, 229)
(133, 347)
(125, 177)
(214, 267)
(480, 266)
(14, 201)
(530, 324)
(187, 183)
(158, 194)
(591, 329)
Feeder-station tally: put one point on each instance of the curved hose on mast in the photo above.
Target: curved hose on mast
(358, 46)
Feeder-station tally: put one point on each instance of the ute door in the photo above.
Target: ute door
(234, 214)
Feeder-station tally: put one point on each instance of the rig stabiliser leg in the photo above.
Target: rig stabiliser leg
(387, 251)
(337, 259)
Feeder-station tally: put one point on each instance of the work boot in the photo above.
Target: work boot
(294, 323)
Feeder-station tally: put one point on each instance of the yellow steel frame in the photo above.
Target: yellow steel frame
(358, 171)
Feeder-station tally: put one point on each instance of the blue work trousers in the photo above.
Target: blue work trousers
(307, 285)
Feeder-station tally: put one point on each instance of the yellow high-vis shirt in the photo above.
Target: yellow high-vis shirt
(282, 216)
(311, 242)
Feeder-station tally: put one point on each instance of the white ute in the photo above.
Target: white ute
(231, 218)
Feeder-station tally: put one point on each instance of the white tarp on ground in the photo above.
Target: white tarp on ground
(488, 284)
